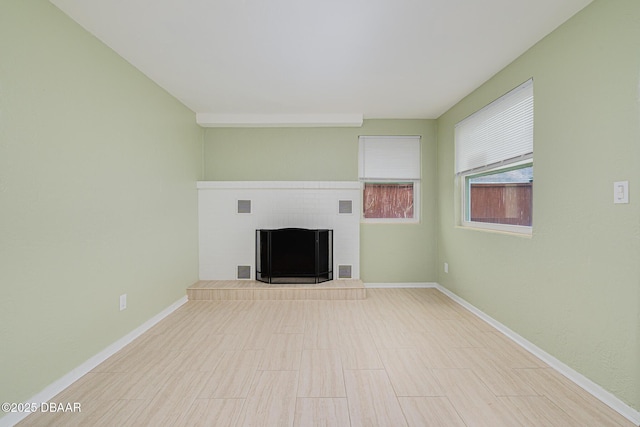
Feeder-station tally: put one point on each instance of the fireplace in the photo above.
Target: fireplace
(294, 255)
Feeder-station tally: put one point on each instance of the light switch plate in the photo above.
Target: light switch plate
(621, 192)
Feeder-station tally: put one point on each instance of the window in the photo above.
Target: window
(494, 163)
(388, 200)
(389, 169)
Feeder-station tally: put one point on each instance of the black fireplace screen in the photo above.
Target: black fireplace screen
(294, 255)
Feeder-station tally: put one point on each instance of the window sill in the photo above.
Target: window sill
(527, 232)
(400, 221)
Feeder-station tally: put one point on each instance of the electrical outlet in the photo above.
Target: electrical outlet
(446, 267)
(123, 301)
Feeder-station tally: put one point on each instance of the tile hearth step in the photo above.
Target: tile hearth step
(216, 290)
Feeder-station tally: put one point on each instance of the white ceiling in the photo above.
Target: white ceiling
(378, 58)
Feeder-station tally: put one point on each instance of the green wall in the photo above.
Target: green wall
(97, 197)
(573, 288)
(388, 253)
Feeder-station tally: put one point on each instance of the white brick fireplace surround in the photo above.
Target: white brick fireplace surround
(230, 212)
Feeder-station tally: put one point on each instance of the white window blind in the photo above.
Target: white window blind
(500, 133)
(389, 157)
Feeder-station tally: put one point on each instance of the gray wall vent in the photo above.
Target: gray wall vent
(345, 206)
(244, 206)
(244, 272)
(344, 272)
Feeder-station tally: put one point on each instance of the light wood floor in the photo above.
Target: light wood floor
(402, 357)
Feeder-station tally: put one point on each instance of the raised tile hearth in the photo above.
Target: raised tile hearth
(216, 290)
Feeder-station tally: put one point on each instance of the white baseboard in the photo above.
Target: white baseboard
(65, 381)
(585, 383)
(402, 285)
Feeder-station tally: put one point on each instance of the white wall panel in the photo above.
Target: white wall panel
(227, 239)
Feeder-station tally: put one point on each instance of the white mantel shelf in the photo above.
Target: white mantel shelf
(320, 185)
